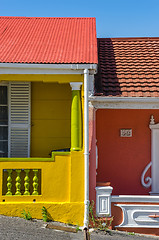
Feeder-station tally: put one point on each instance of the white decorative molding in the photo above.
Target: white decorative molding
(135, 199)
(139, 216)
(102, 102)
(75, 85)
(152, 120)
(154, 156)
(146, 182)
(103, 201)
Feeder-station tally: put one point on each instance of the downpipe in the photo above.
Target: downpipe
(86, 148)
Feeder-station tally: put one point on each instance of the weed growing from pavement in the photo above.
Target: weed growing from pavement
(45, 215)
(78, 228)
(26, 215)
(96, 222)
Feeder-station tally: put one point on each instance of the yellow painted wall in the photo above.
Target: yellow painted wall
(62, 180)
(42, 77)
(62, 189)
(50, 117)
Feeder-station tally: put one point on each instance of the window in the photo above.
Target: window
(15, 119)
(3, 121)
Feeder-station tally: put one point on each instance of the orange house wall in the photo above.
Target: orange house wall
(121, 160)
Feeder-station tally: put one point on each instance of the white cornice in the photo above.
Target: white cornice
(100, 102)
(29, 68)
(135, 198)
(75, 85)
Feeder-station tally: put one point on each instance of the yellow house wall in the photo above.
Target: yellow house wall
(62, 189)
(62, 181)
(50, 118)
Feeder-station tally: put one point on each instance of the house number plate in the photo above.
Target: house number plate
(125, 132)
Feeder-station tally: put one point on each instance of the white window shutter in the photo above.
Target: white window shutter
(19, 119)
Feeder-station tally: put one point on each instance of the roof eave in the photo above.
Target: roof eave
(102, 102)
(41, 68)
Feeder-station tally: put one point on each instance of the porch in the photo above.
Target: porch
(37, 172)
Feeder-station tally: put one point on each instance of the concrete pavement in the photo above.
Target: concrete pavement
(12, 228)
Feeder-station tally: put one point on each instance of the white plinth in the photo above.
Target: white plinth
(103, 201)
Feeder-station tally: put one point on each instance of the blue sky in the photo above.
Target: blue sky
(115, 18)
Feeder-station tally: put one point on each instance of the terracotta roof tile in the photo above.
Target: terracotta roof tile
(128, 67)
(48, 40)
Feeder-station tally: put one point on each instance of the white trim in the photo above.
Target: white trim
(154, 156)
(23, 68)
(135, 198)
(86, 149)
(146, 182)
(139, 216)
(75, 85)
(19, 125)
(124, 102)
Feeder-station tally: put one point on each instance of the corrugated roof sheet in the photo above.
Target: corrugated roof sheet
(48, 40)
(128, 67)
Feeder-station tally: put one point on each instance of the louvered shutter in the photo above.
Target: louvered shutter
(19, 119)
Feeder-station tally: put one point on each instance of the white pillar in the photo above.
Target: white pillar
(154, 158)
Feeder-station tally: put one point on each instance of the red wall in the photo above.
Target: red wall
(121, 160)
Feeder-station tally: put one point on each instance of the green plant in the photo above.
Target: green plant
(131, 233)
(45, 214)
(78, 228)
(26, 215)
(92, 215)
(97, 222)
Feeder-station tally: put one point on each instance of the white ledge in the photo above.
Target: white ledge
(101, 102)
(135, 198)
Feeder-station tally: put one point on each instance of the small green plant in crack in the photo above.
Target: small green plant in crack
(78, 228)
(26, 215)
(102, 224)
(131, 233)
(45, 214)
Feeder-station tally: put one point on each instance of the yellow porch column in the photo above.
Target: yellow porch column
(76, 128)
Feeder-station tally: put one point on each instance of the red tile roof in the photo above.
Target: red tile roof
(128, 67)
(48, 40)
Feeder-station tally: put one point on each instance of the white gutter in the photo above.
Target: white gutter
(86, 147)
(30, 68)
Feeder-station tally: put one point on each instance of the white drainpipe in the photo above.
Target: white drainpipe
(86, 147)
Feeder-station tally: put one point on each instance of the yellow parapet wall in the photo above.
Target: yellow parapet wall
(62, 188)
(62, 212)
